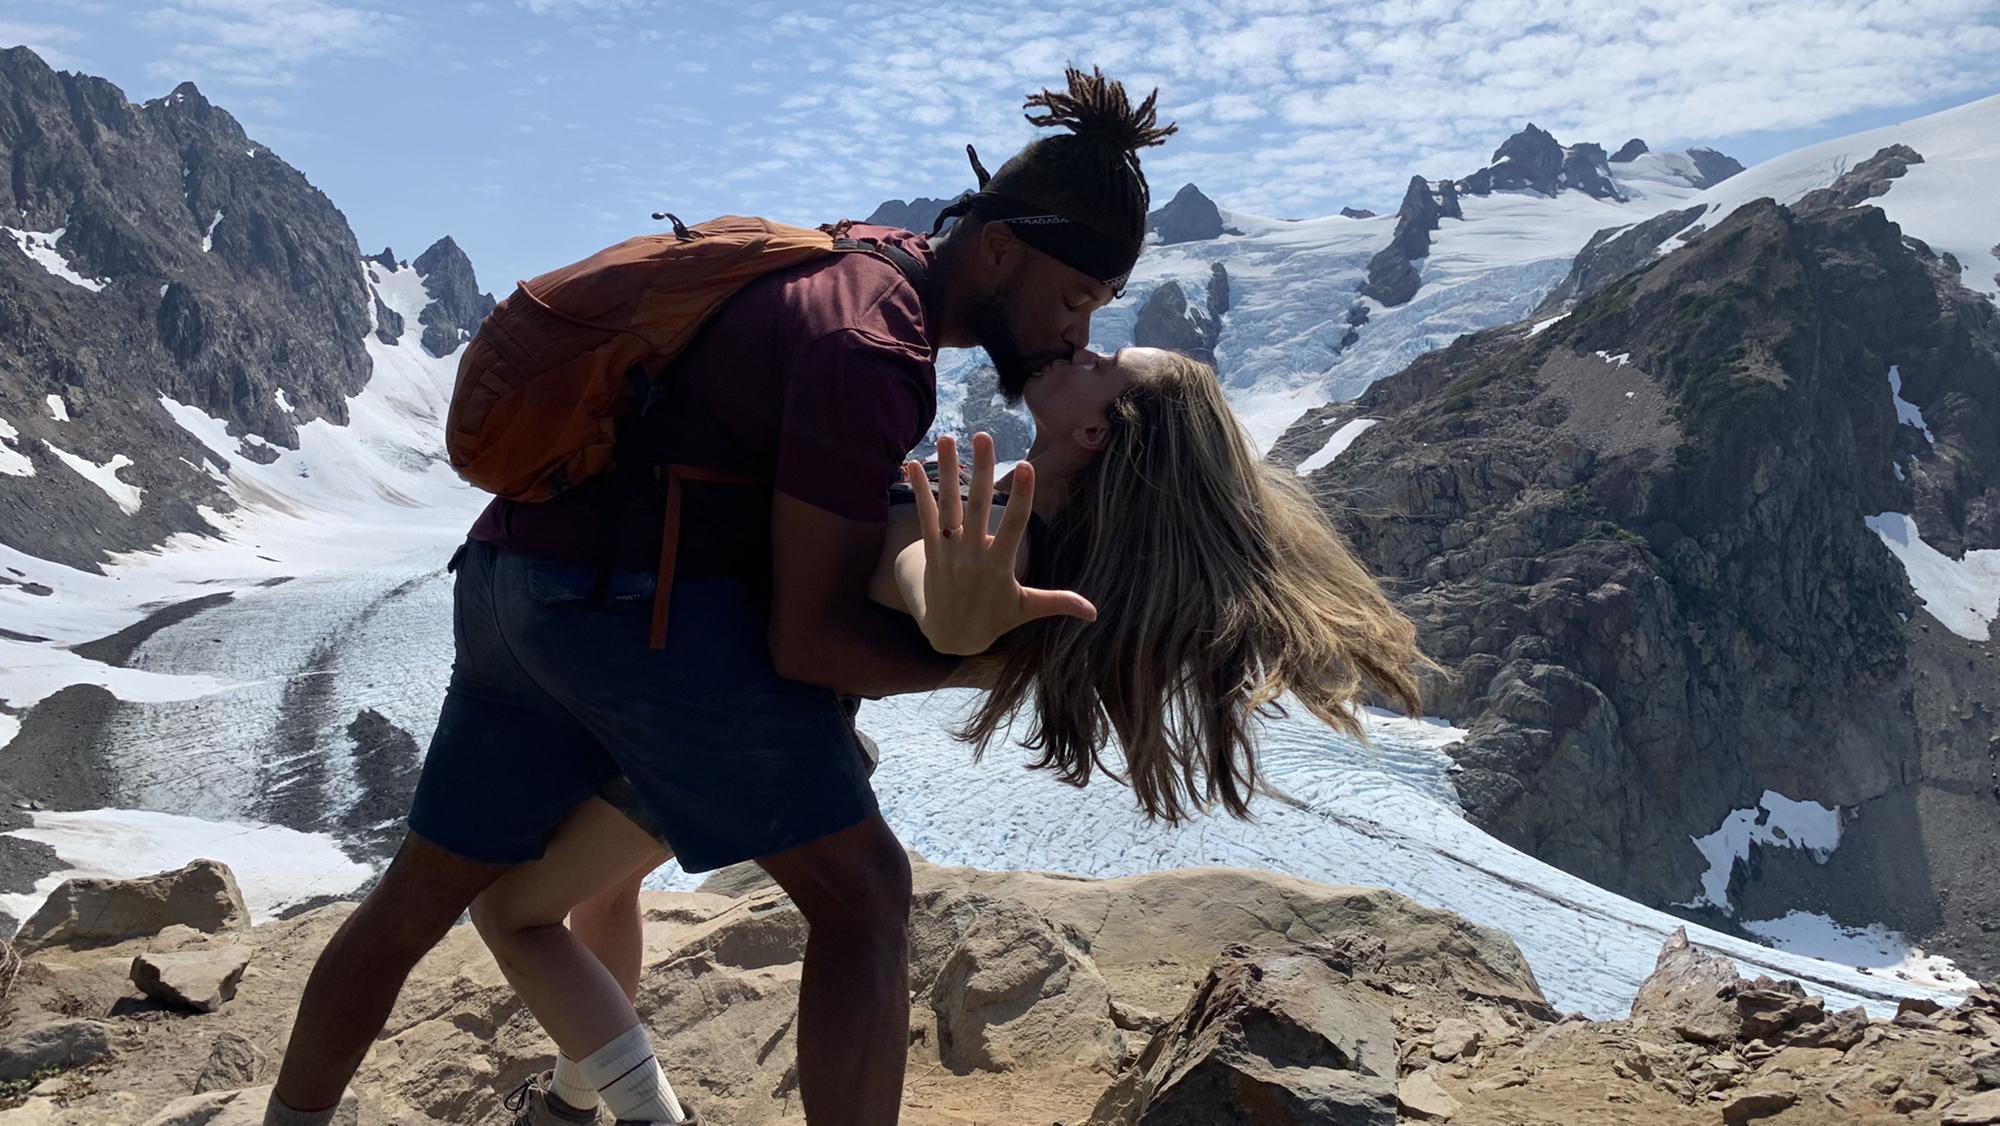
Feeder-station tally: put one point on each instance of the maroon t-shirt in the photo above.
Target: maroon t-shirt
(815, 381)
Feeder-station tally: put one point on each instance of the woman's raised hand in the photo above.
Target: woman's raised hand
(971, 594)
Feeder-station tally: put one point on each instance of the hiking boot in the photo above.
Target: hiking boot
(533, 1105)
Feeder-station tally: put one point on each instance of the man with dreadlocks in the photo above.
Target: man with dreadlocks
(732, 739)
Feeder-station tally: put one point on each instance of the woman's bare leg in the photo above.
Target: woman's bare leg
(608, 925)
(581, 1004)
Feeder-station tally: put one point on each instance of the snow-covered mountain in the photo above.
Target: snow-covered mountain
(1299, 333)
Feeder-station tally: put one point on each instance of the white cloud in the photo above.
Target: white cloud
(53, 42)
(264, 43)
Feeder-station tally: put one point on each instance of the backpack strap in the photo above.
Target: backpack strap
(906, 263)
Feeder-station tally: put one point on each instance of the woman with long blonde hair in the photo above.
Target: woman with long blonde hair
(1219, 588)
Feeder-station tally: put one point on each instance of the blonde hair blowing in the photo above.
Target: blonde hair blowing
(1219, 587)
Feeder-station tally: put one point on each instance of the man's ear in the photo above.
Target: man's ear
(1092, 437)
(997, 245)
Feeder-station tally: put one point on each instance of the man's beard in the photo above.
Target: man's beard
(993, 328)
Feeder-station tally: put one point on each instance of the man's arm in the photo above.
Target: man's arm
(824, 629)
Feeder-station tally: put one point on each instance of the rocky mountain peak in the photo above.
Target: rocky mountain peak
(218, 277)
(918, 214)
(386, 259)
(1392, 279)
(1356, 213)
(1651, 449)
(1713, 166)
(1630, 150)
(1189, 217)
(456, 306)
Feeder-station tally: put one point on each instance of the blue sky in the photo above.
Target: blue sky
(536, 131)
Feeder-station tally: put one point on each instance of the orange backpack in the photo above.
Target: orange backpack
(545, 382)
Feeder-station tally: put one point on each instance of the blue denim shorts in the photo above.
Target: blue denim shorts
(555, 695)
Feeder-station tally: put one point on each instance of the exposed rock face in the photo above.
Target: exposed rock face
(1616, 251)
(1356, 213)
(1530, 160)
(1585, 169)
(1629, 151)
(96, 912)
(913, 215)
(1632, 534)
(456, 306)
(1270, 1037)
(217, 276)
(1392, 276)
(1218, 291)
(1862, 182)
(1713, 166)
(1167, 320)
(1189, 217)
(1017, 991)
(1613, 253)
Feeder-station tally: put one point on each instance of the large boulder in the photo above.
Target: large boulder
(87, 912)
(1273, 1037)
(62, 1044)
(1689, 993)
(1017, 990)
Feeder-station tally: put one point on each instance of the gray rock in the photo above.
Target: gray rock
(917, 215)
(1218, 291)
(1269, 1037)
(202, 980)
(1691, 992)
(1356, 213)
(1454, 1039)
(235, 1061)
(98, 912)
(1864, 181)
(388, 324)
(1392, 277)
(1448, 205)
(1982, 1109)
(63, 1043)
(1604, 573)
(1630, 151)
(1420, 1096)
(1530, 160)
(1017, 991)
(1611, 254)
(1713, 166)
(1167, 320)
(1585, 169)
(456, 307)
(242, 1107)
(1189, 217)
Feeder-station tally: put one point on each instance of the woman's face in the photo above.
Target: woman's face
(1068, 397)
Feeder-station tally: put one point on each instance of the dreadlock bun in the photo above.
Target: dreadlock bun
(1097, 108)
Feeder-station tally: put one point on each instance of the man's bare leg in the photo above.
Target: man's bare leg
(355, 983)
(854, 998)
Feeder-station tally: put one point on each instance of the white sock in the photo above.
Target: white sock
(629, 1079)
(570, 1086)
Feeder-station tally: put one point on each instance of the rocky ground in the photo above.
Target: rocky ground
(1193, 997)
